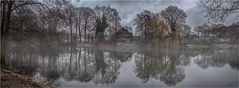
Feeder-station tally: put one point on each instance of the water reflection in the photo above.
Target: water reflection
(88, 64)
(218, 58)
(160, 64)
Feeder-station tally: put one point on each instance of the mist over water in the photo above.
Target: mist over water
(71, 66)
(119, 43)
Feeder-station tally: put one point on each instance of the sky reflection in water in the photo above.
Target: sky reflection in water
(94, 67)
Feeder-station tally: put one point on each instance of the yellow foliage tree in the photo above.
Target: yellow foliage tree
(158, 28)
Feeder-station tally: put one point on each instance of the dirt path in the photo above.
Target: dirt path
(10, 79)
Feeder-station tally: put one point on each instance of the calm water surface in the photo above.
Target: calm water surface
(94, 67)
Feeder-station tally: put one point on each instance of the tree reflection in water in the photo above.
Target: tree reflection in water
(160, 64)
(85, 64)
(218, 58)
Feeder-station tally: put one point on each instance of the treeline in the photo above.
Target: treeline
(217, 11)
(219, 32)
(53, 23)
(68, 22)
(61, 21)
(162, 25)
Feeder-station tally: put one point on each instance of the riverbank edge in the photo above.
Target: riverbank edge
(129, 45)
(10, 79)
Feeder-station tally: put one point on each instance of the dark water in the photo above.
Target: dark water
(97, 67)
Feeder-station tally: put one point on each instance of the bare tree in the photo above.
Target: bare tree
(101, 25)
(185, 30)
(88, 17)
(150, 25)
(112, 17)
(217, 10)
(7, 8)
(174, 17)
(142, 23)
(115, 20)
(69, 17)
(219, 32)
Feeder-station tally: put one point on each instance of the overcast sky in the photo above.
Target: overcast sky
(129, 8)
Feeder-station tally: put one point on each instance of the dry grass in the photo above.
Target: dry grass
(10, 79)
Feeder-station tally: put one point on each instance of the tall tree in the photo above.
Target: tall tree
(112, 17)
(142, 23)
(174, 17)
(69, 17)
(150, 25)
(88, 17)
(101, 25)
(159, 29)
(7, 7)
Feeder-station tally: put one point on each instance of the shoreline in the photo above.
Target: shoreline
(10, 79)
(130, 45)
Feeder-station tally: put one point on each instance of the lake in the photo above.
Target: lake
(99, 67)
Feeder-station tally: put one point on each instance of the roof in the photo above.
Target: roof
(123, 33)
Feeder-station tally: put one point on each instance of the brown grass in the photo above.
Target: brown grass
(10, 79)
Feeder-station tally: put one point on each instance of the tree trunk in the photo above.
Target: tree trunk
(173, 29)
(3, 22)
(79, 29)
(85, 30)
(71, 35)
(6, 16)
(71, 29)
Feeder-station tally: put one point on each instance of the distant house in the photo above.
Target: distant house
(123, 35)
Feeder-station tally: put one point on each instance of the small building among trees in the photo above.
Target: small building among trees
(123, 35)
